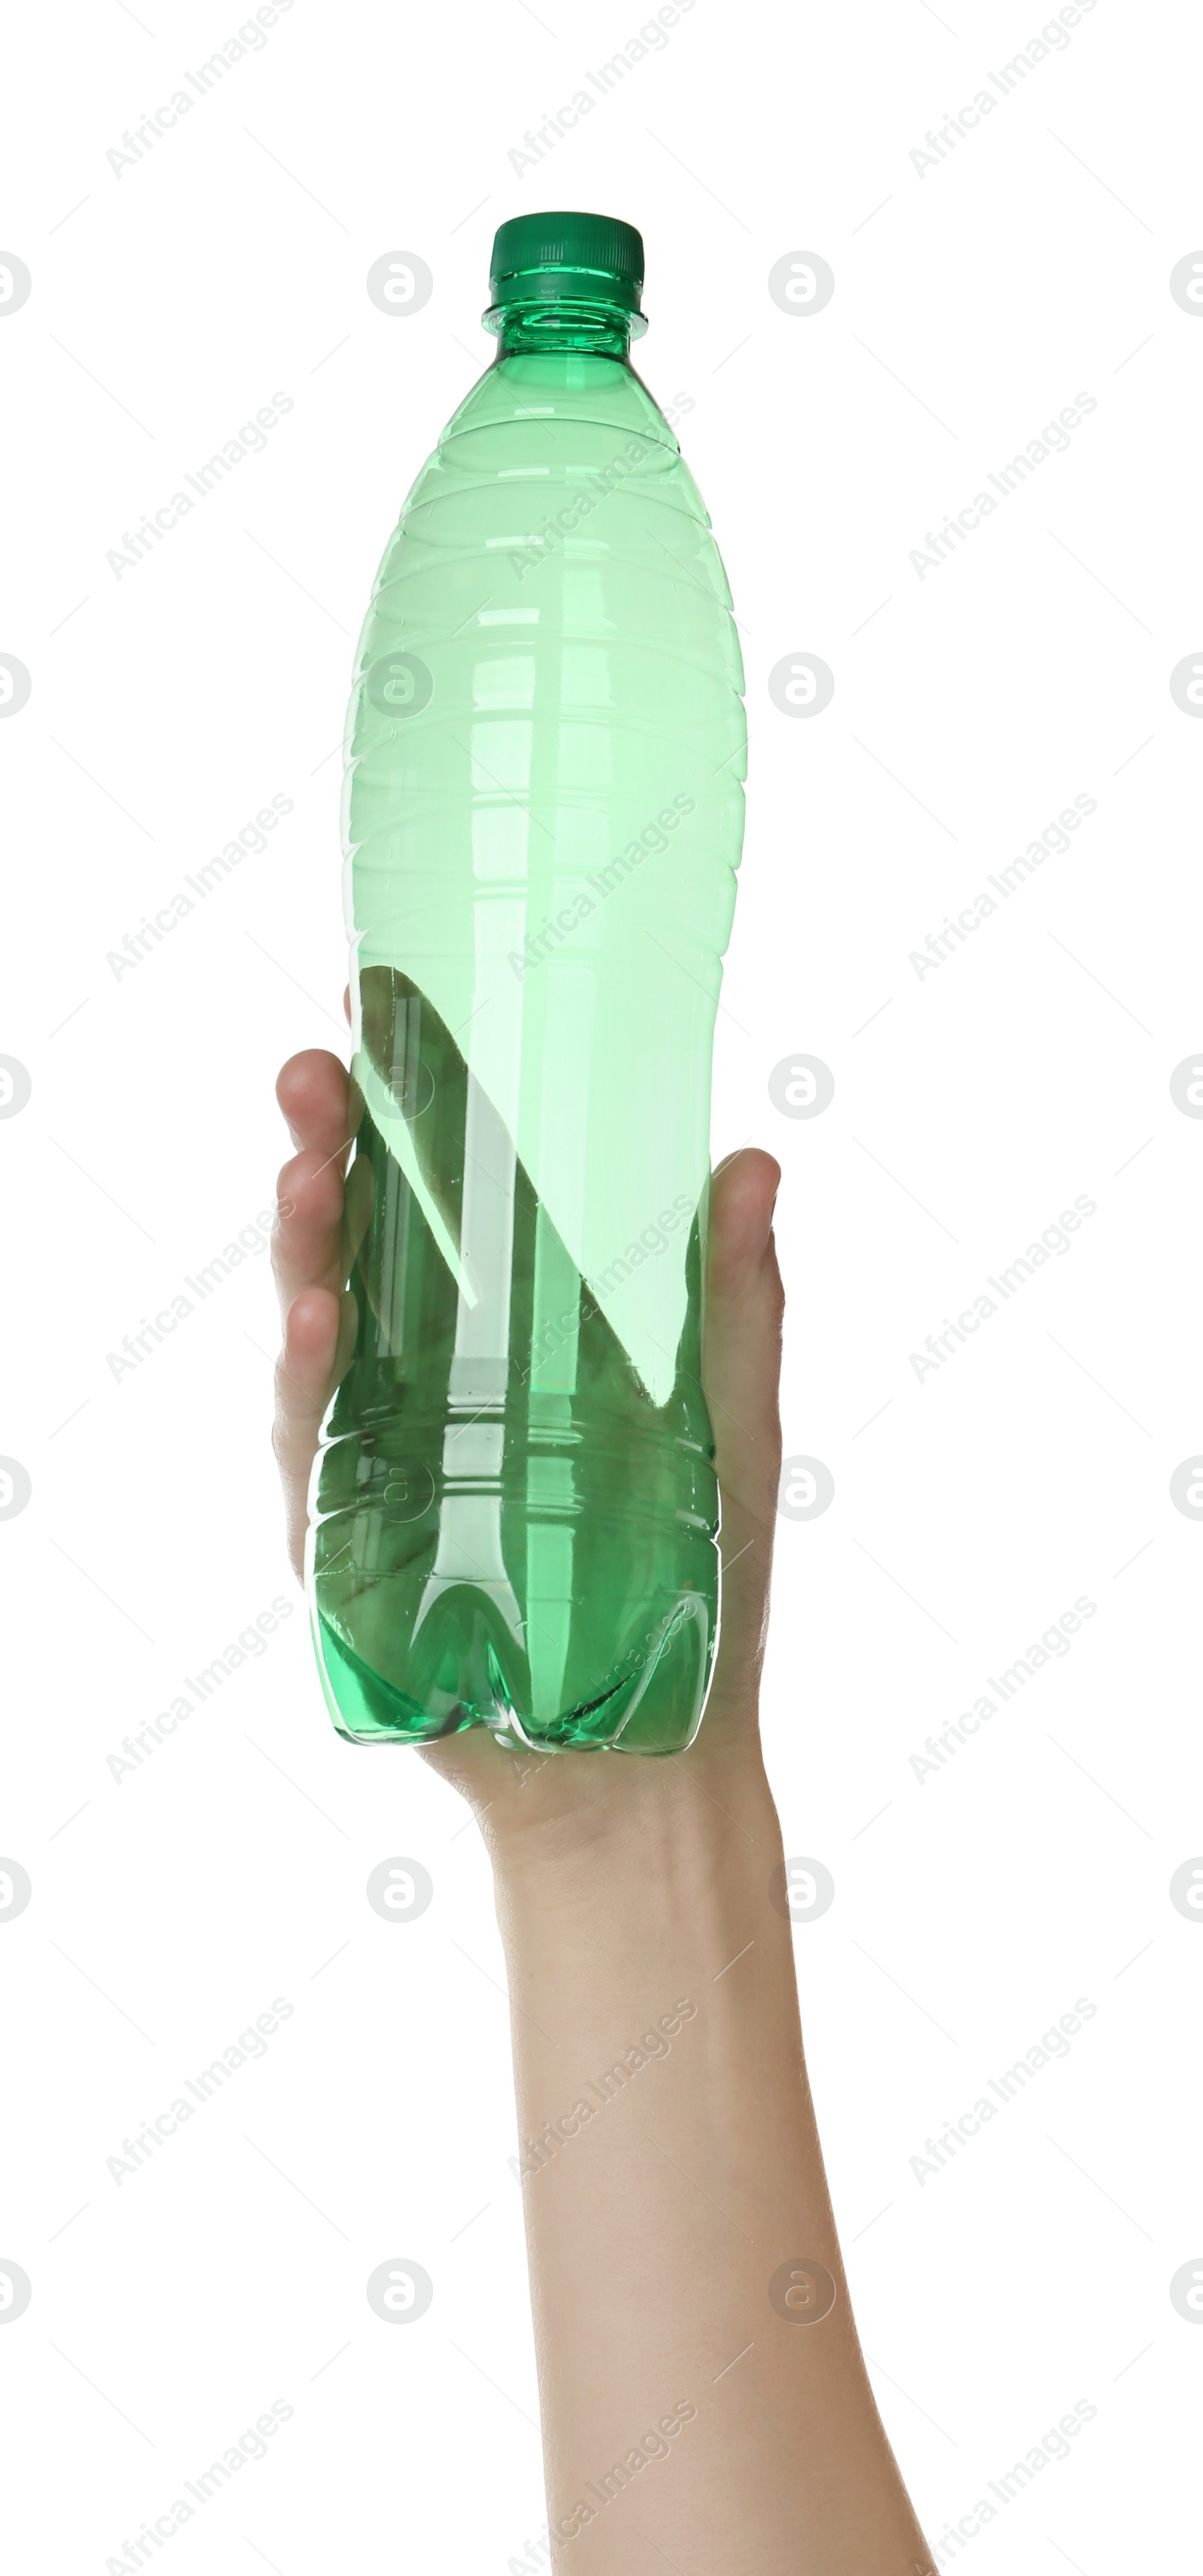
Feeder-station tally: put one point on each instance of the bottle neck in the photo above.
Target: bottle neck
(601, 330)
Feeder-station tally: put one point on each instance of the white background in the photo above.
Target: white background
(973, 300)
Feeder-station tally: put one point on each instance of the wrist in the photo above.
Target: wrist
(645, 1843)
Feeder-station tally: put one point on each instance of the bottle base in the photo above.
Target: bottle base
(654, 1709)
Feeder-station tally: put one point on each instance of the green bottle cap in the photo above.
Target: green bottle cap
(550, 259)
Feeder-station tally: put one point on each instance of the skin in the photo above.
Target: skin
(627, 1889)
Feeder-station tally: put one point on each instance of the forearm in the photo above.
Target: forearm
(671, 2170)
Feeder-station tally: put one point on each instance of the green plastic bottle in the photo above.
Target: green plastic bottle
(514, 1513)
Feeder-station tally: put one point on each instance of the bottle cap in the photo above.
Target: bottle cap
(550, 259)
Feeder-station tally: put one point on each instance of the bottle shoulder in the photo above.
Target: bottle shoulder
(579, 387)
(558, 499)
(584, 420)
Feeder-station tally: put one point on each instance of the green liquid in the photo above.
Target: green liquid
(508, 1530)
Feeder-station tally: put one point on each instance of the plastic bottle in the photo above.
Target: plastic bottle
(514, 1513)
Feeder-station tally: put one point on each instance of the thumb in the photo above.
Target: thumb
(741, 1368)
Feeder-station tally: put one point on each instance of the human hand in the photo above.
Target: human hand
(549, 1802)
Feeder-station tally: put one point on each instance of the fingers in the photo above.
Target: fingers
(312, 1092)
(741, 1367)
(305, 1374)
(307, 1236)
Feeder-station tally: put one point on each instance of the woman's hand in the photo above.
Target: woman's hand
(547, 1802)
